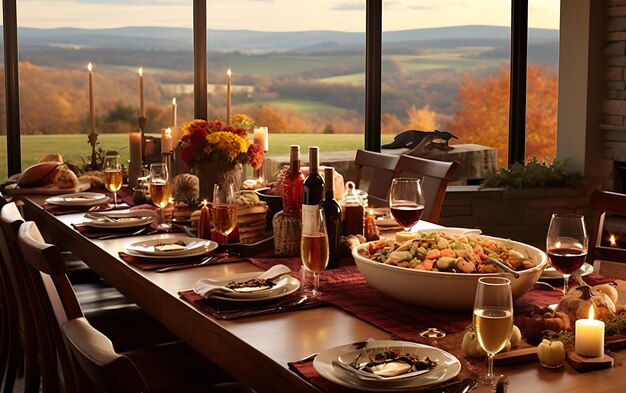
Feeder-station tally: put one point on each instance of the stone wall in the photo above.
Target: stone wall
(521, 215)
(614, 104)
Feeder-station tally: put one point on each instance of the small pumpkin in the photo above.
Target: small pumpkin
(576, 303)
(287, 233)
(551, 353)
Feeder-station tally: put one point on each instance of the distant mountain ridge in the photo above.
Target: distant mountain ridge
(171, 38)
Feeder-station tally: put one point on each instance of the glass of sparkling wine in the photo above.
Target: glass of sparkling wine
(113, 174)
(314, 248)
(160, 190)
(406, 202)
(224, 210)
(567, 244)
(493, 320)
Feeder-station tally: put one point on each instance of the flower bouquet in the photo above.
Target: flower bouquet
(215, 152)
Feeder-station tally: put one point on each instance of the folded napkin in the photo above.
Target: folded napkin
(206, 287)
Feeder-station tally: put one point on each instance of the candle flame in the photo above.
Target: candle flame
(171, 200)
(89, 67)
(591, 313)
(370, 212)
(168, 132)
(205, 202)
(140, 71)
(612, 239)
(260, 180)
(228, 72)
(174, 101)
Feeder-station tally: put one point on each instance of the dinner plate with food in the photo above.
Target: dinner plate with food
(78, 199)
(247, 287)
(175, 247)
(386, 365)
(115, 219)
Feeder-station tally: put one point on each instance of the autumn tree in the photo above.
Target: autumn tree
(390, 124)
(483, 116)
(421, 119)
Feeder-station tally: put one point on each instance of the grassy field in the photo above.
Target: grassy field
(73, 147)
(304, 106)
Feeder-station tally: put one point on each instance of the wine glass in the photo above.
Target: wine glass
(224, 210)
(314, 247)
(493, 320)
(406, 201)
(567, 244)
(113, 174)
(160, 190)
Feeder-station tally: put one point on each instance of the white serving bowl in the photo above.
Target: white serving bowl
(443, 290)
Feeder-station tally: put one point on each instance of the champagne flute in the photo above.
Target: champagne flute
(567, 244)
(160, 190)
(406, 201)
(493, 320)
(113, 174)
(224, 210)
(314, 248)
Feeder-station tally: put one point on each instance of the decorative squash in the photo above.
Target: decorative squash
(287, 233)
(576, 303)
(186, 187)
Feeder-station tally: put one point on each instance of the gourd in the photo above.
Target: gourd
(186, 187)
(551, 353)
(287, 233)
(576, 303)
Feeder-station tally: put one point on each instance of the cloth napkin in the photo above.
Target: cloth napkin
(206, 287)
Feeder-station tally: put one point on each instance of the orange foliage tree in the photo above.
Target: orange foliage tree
(483, 116)
(422, 119)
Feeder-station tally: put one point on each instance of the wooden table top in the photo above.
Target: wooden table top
(256, 350)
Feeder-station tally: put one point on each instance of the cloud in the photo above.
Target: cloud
(352, 5)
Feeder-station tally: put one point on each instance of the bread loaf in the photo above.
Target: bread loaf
(40, 174)
(52, 158)
(65, 178)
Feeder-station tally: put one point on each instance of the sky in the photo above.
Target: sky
(279, 15)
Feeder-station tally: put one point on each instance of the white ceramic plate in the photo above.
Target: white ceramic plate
(384, 218)
(550, 273)
(193, 247)
(122, 222)
(78, 199)
(279, 288)
(291, 284)
(450, 366)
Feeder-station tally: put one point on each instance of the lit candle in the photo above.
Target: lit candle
(589, 336)
(142, 112)
(174, 119)
(260, 137)
(92, 109)
(613, 240)
(228, 97)
(204, 224)
(134, 168)
(166, 140)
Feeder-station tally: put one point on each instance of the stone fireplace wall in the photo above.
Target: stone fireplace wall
(614, 104)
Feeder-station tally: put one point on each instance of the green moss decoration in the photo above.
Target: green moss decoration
(535, 174)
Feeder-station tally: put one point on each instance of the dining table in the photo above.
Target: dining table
(260, 351)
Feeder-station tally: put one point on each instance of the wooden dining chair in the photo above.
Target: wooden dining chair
(168, 367)
(606, 206)
(379, 170)
(435, 177)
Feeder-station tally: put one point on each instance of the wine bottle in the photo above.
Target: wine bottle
(312, 191)
(292, 186)
(332, 214)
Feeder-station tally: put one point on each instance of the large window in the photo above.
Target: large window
(57, 39)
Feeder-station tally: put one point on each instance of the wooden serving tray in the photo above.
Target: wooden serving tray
(51, 189)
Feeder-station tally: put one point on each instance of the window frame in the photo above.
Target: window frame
(373, 77)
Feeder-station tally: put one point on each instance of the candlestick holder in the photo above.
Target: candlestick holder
(93, 141)
(142, 122)
(167, 160)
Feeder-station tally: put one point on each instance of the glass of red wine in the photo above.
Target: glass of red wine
(406, 201)
(567, 244)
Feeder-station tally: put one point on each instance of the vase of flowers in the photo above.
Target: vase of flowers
(216, 152)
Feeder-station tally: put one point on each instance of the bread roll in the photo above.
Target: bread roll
(65, 178)
(40, 174)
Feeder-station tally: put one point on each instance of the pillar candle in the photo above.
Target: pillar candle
(142, 112)
(228, 97)
(204, 224)
(166, 140)
(92, 109)
(174, 114)
(134, 168)
(589, 336)
(259, 137)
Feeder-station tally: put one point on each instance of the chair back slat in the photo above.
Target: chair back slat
(435, 177)
(381, 169)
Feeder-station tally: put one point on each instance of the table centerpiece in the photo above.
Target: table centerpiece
(216, 152)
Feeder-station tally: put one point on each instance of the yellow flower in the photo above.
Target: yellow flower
(239, 120)
(226, 144)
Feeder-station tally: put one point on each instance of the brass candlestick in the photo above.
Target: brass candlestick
(93, 141)
(142, 122)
